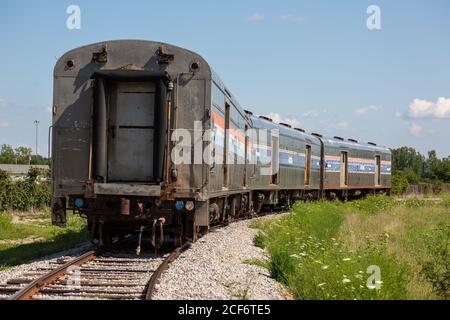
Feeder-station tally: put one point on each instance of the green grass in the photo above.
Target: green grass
(43, 238)
(325, 250)
(257, 262)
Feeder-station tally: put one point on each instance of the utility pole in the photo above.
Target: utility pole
(36, 122)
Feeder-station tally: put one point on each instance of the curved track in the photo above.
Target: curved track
(93, 275)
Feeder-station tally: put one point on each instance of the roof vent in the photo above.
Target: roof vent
(339, 138)
(372, 143)
(228, 92)
(299, 129)
(266, 118)
(317, 134)
(248, 112)
(353, 140)
(285, 125)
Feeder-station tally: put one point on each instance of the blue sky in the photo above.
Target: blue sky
(313, 63)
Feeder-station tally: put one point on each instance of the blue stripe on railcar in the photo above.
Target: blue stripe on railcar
(355, 167)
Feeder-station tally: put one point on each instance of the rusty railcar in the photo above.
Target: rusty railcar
(116, 107)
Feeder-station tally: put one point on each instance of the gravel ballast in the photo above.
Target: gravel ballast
(216, 267)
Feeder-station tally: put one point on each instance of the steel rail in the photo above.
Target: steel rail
(27, 292)
(151, 286)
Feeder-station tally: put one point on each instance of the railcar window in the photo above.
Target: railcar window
(218, 98)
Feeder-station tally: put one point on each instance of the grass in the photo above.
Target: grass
(24, 237)
(334, 250)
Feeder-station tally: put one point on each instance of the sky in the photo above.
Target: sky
(314, 64)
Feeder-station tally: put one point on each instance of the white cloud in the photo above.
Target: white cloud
(426, 109)
(256, 17)
(313, 113)
(4, 124)
(344, 125)
(277, 118)
(415, 130)
(363, 110)
(2, 103)
(291, 18)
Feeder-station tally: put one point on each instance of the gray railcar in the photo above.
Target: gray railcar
(116, 107)
(298, 156)
(352, 169)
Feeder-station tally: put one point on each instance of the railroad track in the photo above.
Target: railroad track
(93, 276)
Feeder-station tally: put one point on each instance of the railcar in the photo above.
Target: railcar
(297, 159)
(117, 107)
(146, 138)
(352, 169)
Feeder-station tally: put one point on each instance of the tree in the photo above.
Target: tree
(442, 170)
(7, 155)
(23, 154)
(408, 159)
(432, 165)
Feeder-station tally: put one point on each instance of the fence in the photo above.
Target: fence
(427, 188)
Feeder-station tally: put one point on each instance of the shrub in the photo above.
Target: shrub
(372, 204)
(24, 195)
(399, 183)
(436, 269)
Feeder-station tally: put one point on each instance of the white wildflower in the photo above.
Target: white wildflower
(346, 280)
(325, 267)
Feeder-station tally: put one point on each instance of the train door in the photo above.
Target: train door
(344, 169)
(307, 180)
(131, 132)
(246, 156)
(377, 170)
(275, 158)
(226, 145)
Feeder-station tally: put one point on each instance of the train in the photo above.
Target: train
(147, 139)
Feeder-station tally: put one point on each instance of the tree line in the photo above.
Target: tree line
(411, 167)
(20, 155)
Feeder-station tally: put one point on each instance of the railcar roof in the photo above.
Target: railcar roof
(337, 143)
(259, 122)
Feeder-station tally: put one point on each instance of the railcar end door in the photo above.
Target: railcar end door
(131, 132)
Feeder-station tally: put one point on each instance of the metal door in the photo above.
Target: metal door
(307, 176)
(226, 147)
(344, 169)
(131, 134)
(377, 170)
